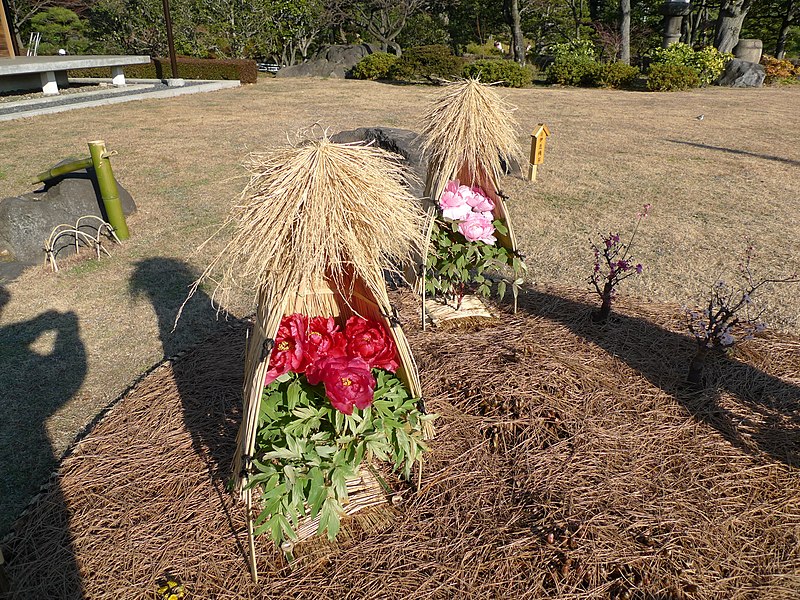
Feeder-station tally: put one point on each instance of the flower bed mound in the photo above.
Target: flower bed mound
(570, 461)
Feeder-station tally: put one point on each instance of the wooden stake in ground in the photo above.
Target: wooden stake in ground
(538, 140)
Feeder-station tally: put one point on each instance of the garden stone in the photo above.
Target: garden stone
(400, 141)
(740, 73)
(748, 49)
(26, 221)
(406, 143)
(333, 61)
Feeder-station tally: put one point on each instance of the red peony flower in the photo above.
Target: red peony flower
(371, 341)
(288, 354)
(348, 381)
(323, 338)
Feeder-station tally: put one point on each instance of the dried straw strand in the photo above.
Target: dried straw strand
(318, 210)
(468, 130)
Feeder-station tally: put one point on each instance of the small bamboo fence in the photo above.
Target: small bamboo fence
(316, 228)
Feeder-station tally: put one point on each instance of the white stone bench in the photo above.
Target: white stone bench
(48, 72)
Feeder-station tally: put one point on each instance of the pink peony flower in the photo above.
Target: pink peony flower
(370, 341)
(453, 203)
(348, 382)
(479, 201)
(477, 229)
(288, 354)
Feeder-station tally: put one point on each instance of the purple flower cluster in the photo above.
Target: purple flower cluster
(612, 264)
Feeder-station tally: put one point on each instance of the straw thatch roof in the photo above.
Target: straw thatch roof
(319, 211)
(468, 128)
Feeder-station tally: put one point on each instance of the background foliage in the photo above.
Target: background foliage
(289, 31)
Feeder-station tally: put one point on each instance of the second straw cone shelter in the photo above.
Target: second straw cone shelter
(468, 135)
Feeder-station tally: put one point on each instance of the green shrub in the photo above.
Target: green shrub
(505, 72)
(708, 62)
(60, 28)
(374, 66)
(582, 48)
(427, 61)
(613, 75)
(572, 70)
(486, 50)
(669, 78)
(245, 71)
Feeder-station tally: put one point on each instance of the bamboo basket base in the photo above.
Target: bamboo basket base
(367, 521)
(369, 509)
(472, 314)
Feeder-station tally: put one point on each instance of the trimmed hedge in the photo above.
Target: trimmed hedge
(421, 62)
(708, 62)
(506, 72)
(245, 71)
(613, 75)
(573, 70)
(671, 77)
(374, 66)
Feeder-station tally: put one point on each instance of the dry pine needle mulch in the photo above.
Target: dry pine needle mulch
(569, 462)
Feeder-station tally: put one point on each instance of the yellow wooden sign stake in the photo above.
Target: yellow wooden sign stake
(538, 139)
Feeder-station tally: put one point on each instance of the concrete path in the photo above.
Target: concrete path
(142, 89)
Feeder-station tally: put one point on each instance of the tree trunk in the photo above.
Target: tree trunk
(601, 316)
(729, 24)
(697, 366)
(625, 31)
(788, 20)
(511, 10)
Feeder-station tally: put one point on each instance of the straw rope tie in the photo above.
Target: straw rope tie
(393, 318)
(266, 348)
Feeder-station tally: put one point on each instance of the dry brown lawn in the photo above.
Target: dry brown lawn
(72, 342)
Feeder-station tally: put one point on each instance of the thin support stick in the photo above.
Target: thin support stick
(251, 542)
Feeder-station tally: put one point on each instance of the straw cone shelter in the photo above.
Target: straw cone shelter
(468, 132)
(315, 229)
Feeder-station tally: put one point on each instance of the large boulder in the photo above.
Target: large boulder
(404, 142)
(333, 61)
(26, 221)
(741, 73)
(407, 144)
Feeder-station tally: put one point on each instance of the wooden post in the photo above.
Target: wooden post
(7, 42)
(108, 189)
(538, 139)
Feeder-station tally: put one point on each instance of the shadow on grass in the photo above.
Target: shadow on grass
(788, 161)
(765, 417)
(43, 365)
(165, 282)
(204, 382)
